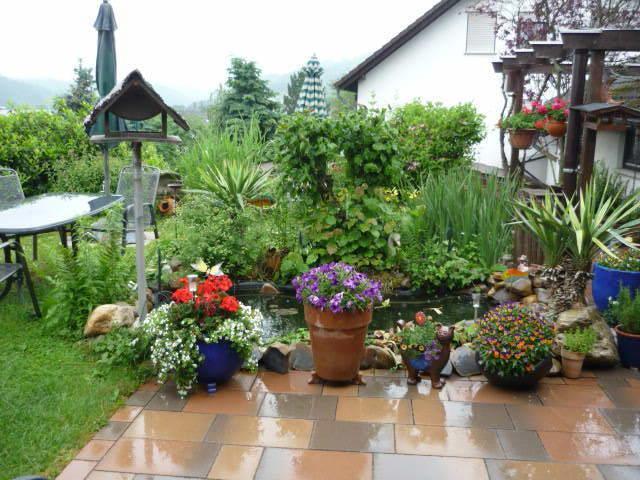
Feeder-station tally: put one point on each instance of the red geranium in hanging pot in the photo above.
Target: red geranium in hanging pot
(557, 113)
(524, 126)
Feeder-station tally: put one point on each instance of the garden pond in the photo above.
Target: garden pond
(283, 314)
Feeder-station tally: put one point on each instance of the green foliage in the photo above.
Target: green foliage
(299, 335)
(581, 340)
(525, 120)
(434, 138)
(290, 99)
(628, 261)
(247, 96)
(463, 206)
(82, 92)
(34, 141)
(303, 151)
(466, 334)
(608, 184)
(121, 346)
(418, 335)
(292, 265)
(627, 311)
(440, 265)
(369, 145)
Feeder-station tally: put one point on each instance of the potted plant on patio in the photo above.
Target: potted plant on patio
(514, 346)
(626, 310)
(610, 274)
(556, 117)
(338, 305)
(523, 127)
(204, 334)
(574, 350)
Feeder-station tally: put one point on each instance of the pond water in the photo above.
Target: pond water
(283, 314)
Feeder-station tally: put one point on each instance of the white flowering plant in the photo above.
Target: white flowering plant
(207, 315)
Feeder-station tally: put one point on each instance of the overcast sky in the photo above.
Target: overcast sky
(188, 43)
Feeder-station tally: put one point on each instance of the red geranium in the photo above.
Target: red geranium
(222, 283)
(182, 295)
(230, 304)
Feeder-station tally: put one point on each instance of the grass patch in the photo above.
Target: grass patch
(53, 397)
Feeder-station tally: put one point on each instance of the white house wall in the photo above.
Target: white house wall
(433, 66)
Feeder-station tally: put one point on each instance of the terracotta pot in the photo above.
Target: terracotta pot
(337, 343)
(556, 128)
(572, 363)
(628, 348)
(522, 138)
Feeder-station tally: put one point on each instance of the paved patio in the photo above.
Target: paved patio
(270, 426)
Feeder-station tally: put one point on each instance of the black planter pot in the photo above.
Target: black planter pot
(519, 382)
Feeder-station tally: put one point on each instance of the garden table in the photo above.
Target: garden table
(50, 212)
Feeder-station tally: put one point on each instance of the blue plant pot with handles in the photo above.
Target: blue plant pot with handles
(221, 362)
(607, 282)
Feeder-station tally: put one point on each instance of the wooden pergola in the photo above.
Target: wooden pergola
(580, 53)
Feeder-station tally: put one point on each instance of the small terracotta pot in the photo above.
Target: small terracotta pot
(522, 138)
(337, 343)
(572, 363)
(556, 128)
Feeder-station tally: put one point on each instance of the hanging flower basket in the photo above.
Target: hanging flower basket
(555, 128)
(522, 138)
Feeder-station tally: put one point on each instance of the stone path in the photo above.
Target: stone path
(270, 426)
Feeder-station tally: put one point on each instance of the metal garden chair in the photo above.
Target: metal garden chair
(19, 271)
(11, 193)
(150, 180)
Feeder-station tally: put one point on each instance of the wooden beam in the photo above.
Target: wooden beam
(550, 49)
(621, 40)
(517, 84)
(572, 143)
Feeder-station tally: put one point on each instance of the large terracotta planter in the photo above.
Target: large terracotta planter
(571, 363)
(556, 128)
(522, 138)
(628, 348)
(337, 343)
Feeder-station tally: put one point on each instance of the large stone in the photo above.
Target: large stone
(447, 370)
(107, 317)
(269, 289)
(464, 361)
(502, 295)
(544, 295)
(276, 358)
(521, 286)
(377, 357)
(529, 300)
(301, 357)
(605, 352)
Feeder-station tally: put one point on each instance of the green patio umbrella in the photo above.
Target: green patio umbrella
(312, 97)
(106, 75)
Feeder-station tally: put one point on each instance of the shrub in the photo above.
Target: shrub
(512, 340)
(434, 138)
(581, 340)
(627, 311)
(628, 260)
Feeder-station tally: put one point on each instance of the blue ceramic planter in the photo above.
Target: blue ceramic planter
(607, 282)
(628, 348)
(220, 363)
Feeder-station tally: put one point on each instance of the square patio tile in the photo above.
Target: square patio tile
(231, 402)
(280, 464)
(159, 425)
(76, 470)
(618, 472)
(413, 467)
(353, 437)
(260, 431)
(553, 380)
(624, 397)
(590, 448)
(626, 422)
(111, 431)
(513, 470)
(236, 463)
(126, 414)
(459, 414)
(293, 382)
(522, 445)
(389, 387)
(447, 441)
(167, 399)
(397, 373)
(374, 410)
(94, 450)
(240, 381)
(160, 457)
(558, 419)
(483, 392)
(574, 396)
(584, 381)
(151, 385)
(140, 398)
(340, 390)
(634, 382)
(311, 407)
(99, 475)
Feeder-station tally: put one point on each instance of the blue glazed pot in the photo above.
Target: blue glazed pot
(628, 348)
(220, 363)
(607, 282)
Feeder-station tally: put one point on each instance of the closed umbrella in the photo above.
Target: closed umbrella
(106, 76)
(312, 97)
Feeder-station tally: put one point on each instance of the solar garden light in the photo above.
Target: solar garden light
(193, 282)
(475, 299)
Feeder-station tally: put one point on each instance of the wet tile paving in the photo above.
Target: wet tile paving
(270, 426)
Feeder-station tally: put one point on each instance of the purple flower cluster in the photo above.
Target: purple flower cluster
(337, 286)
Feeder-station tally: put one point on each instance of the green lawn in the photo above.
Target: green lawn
(52, 395)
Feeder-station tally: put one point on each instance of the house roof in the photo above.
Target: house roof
(350, 80)
(607, 109)
(134, 99)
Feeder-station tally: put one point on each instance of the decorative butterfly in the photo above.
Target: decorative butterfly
(201, 266)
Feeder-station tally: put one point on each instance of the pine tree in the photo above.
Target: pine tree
(248, 96)
(82, 92)
(290, 100)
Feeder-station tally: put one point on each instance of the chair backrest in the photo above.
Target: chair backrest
(10, 188)
(150, 180)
